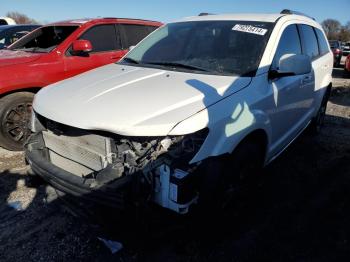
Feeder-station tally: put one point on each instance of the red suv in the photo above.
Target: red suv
(53, 53)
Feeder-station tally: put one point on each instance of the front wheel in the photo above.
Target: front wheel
(15, 114)
(223, 176)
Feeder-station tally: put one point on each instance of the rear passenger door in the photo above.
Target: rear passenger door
(132, 34)
(311, 48)
(325, 65)
(106, 49)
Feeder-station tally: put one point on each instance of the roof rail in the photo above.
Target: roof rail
(291, 12)
(204, 14)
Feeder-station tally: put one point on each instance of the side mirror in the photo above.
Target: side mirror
(81, 47)
(291, 65)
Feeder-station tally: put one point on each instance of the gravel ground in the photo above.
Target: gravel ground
(298, 210)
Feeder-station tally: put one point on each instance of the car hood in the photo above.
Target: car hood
(133, 101)
(9, 57)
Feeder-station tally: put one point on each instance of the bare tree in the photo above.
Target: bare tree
(21, 18)
(344, 34)
(347, 26)
(332, 28)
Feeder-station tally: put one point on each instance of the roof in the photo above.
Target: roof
(74, 21)
(100, 19)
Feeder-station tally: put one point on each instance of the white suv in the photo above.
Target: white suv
(194, 108)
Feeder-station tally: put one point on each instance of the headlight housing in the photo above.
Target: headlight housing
(187, 146)
(135, 153)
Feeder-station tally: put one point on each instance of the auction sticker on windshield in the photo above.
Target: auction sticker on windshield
(250, 29)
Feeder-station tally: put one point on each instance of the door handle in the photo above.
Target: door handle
(306, 80)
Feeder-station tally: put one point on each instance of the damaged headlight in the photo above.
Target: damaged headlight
(185, 147)
(134, 153)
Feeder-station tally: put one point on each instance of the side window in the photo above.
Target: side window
(133, 34)
(289, 43)
(322, 42)
(151, 28)
(309, 41)
(102, 37)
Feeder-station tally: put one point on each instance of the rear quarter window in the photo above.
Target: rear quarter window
(322, 42)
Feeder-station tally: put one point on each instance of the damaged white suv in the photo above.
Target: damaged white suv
(194, 108)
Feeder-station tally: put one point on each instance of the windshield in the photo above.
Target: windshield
(44, 40)
(8, 37)
(214, 47)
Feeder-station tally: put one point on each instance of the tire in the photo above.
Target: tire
(337, 62)
(346, 72)
(223, 175)
(15, 114)
(318, 121)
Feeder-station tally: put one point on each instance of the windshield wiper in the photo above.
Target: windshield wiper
(177, 64)
(130, 60)
(20, 49)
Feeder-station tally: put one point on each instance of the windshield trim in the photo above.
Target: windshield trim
(176, 69)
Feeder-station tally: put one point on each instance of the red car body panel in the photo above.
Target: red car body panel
(347, 63)
(21, 70)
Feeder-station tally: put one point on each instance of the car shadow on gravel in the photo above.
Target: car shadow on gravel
(297, 210)
(340, 73)
(34, 227)
(341, 96)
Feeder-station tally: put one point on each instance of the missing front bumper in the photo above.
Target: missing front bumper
(111, 194)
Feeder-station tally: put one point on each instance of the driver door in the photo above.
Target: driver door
(289, 93)
(106, 44)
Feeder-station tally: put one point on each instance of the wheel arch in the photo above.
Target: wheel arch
(28, 89)
(259, 136)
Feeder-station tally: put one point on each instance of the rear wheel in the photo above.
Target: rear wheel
(15, 114)
(223, 176)
(318, 121)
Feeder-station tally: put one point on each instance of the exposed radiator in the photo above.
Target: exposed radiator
(78, 154)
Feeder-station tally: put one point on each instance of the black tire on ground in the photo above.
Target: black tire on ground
(337, 62)
(346, 73)
(15, 114)
(318, 121)
(222, 175)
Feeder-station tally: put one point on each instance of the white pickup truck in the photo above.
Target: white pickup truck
(7, 21)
